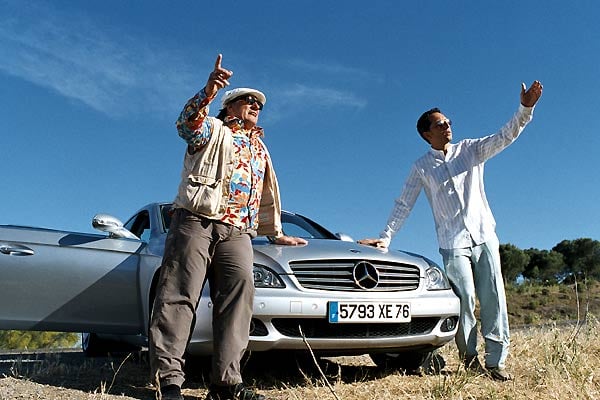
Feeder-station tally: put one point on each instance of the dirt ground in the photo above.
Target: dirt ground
(71, 376)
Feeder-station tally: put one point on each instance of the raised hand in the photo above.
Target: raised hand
(218, 78)
(530, 96)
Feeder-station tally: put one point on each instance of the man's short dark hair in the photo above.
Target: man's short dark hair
(423, 123)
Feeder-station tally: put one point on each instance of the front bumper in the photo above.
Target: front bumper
(284, 322)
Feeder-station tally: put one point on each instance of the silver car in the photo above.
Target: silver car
(334, 294)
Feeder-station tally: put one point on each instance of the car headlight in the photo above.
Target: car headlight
(265, 278)
(435, 279)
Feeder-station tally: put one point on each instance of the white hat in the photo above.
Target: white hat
(238, 92)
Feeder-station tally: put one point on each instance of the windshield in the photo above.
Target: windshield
(297, 225)
(293, 225)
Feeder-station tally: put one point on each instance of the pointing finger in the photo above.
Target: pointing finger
(220, 71)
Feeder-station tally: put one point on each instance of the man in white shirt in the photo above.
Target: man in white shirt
(452, 177)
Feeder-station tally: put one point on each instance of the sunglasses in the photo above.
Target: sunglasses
(441, 123)
(250, 100)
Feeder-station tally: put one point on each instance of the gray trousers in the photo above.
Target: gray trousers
(198, 249)
(475, 273)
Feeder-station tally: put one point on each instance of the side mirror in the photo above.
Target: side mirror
(113, 226)
(344, 237)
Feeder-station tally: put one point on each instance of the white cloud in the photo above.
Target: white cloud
(322, 96)
(116, 73)
(109, 71)
(336, 70)
(288, 101)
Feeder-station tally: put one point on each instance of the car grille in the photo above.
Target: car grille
(340, 275)
(320, 328)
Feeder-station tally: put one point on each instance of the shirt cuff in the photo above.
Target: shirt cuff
(524, 109)
(386, 240)
(203, 99)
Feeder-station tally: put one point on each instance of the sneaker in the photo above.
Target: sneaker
(235, 392)
(499, 374)
(169, 392)
(472, 364)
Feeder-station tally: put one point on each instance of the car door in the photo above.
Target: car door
(64, 281)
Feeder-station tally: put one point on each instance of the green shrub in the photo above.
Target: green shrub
(32, 340)
(531, 319)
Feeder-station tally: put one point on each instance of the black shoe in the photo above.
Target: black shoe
(170, 392)
(235, 392)
(499, 374)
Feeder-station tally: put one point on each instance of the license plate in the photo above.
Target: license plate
(360, 311)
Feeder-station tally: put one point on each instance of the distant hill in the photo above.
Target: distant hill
(534, 305)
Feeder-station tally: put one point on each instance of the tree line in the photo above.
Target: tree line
(568, 261)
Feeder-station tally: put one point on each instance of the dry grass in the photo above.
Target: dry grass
(547, 363)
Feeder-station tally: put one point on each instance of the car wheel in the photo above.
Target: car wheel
(95, 346)
(428, 362)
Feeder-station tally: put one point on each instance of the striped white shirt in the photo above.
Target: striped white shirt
(453, 184)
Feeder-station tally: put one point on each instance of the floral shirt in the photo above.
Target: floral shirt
(250, 157)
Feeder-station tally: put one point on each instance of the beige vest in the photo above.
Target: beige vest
(206, 178)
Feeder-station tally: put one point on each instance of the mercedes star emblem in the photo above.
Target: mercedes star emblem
(365, 275)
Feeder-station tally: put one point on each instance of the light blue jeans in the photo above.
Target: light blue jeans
(475, 271)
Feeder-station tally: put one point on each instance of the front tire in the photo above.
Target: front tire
(95, 346)
(428, 362)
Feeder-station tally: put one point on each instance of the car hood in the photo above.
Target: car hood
(327, 249)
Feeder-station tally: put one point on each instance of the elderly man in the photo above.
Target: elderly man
(227, 195)
(452, 177)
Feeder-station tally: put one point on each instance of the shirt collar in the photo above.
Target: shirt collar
(237, 124)
(434, 151)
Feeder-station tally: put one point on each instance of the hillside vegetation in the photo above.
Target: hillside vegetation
(560, 303)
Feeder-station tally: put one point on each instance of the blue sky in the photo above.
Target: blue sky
(91, 91)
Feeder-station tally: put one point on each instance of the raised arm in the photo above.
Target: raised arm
(191, 124)
(489, 146)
